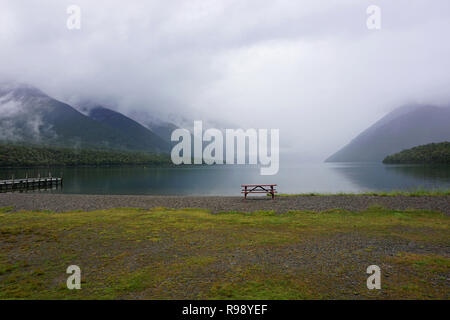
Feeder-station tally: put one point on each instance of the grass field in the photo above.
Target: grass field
(193, 254)
(415, 193)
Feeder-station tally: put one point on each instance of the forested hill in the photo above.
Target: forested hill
(37, 156)
(403, 128)
(433, 153)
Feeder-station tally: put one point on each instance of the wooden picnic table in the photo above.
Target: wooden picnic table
(258, 188)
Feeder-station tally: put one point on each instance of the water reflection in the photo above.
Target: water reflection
(226, 180)
(379, 177)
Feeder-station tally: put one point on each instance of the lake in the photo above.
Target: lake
(226, 179)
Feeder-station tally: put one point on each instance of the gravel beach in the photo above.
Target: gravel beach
(66, 202)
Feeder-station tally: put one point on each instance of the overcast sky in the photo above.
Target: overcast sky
(310, 68)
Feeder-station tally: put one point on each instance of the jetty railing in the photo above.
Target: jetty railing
(30, 183)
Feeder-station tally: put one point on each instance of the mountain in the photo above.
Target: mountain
(160, 127)
(404, 128)
(163, 130)
(31, 116)
(132, 130)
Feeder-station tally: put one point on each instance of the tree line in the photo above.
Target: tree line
(13, 155)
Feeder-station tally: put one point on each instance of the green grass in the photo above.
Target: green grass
(394, 193)
(162, 253)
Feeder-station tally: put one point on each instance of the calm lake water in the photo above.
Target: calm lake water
(226, 180)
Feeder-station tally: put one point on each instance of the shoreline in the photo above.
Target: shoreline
(281, 204)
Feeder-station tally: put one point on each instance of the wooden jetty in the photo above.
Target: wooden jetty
(30, 183)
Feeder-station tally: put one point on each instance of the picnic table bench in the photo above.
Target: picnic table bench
(258, 188)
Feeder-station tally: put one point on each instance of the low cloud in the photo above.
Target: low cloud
(20, 121)
(311, 69)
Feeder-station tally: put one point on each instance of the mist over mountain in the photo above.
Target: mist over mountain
(142, 136)
(160, 127)
(28, 115)
(403, 128)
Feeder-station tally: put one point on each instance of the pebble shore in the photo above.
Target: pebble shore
(71, 202)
